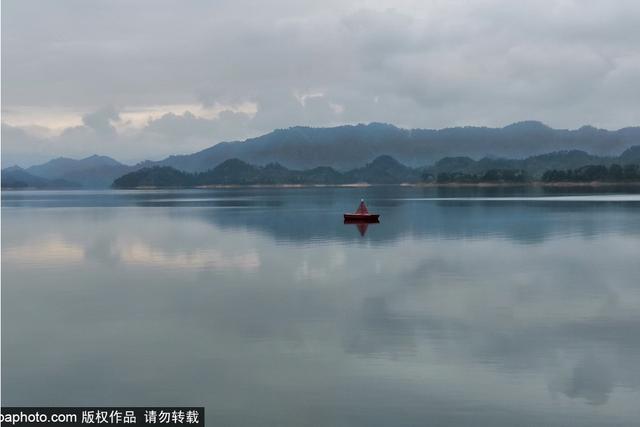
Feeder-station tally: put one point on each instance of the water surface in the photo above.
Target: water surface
(463, 307)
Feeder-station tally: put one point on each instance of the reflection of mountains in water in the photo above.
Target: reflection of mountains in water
(315, 214)
(520, 219)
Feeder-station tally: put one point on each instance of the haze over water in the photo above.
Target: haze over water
(462, 307)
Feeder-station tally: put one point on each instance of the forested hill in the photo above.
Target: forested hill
(383, 170)
(387, 170)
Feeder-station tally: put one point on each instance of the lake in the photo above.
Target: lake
(463, 307)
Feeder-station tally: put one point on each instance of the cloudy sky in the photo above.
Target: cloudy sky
(148, 78)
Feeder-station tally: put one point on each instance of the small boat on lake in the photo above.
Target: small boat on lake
(361, 215)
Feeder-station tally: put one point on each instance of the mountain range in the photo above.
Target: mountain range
(346, 148)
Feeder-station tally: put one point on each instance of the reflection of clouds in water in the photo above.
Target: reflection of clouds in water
(377, 332)
(48, 250)
(495, 281)
(139, 253)
(488, 303)
(320, 268)
(590, 379)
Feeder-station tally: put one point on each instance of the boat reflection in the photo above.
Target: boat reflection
(362, 225)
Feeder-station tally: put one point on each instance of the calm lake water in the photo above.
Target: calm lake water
(492, 307)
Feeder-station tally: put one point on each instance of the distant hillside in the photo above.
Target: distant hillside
(383, 170)
(347, 147)
(632, 155)
(387, 170)
(17, 178)
(156, 176)
(534, 166)
(91, 172)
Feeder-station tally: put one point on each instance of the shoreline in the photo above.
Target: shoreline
(532, 184)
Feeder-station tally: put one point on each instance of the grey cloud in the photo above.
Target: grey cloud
(591, 380)
(188, 125)
(20, 147)
(159, 138)
(277, 111)
(101, 120)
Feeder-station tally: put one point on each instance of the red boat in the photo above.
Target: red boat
(361, 215)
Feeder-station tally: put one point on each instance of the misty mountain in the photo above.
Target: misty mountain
(15, 177)
(91, 172)
(347, 147)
